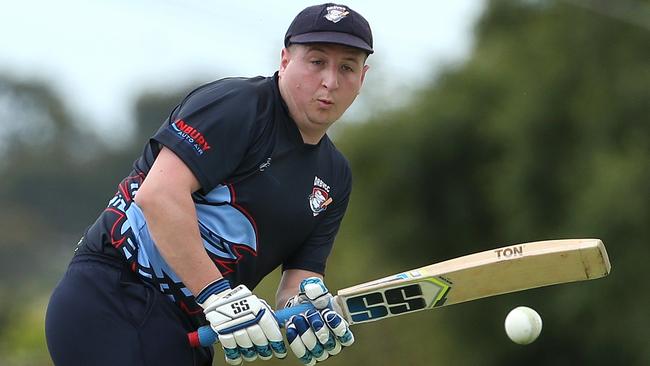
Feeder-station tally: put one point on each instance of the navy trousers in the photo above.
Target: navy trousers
(101, 313)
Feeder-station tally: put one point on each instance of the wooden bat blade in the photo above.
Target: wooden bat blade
(489, 273)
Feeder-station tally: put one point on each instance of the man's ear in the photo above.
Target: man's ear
(285, 57)
(363, 73)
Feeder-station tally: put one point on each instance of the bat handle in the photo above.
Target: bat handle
(206, 337)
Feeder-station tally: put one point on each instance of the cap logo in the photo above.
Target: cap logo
(336, 13)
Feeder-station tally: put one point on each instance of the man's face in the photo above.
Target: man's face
(319, 82)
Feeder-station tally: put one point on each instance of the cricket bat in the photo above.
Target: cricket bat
(470, 277)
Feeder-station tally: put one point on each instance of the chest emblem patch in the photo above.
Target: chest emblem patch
(319, 198)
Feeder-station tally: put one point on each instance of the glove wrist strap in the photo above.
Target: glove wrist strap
(212, 288)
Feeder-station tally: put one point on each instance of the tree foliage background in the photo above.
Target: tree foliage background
(543, 133)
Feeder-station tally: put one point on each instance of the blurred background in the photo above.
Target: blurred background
(481, 124)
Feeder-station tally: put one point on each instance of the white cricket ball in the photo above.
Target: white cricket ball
(523, 325)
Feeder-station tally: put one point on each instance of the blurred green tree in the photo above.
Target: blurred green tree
(542, 134)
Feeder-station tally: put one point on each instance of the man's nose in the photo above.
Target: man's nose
(330, 78)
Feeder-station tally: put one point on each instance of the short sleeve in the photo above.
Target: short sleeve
(210, 130)
(312, 255)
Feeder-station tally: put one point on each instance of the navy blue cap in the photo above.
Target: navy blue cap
(330, 23)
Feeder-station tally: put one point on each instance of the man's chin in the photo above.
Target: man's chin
(324, 119)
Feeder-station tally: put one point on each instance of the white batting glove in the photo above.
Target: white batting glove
(317, 334)
(245, 324)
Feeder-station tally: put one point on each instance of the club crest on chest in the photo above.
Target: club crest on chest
(319, 198)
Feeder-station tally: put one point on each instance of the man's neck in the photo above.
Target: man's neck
(310, 139)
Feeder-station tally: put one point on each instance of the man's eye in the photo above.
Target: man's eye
(317, 62)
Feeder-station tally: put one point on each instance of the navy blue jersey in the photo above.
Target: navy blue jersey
(266, 199)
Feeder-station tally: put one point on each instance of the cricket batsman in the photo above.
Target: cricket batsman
(239, 180)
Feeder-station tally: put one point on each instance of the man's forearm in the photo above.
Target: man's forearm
(290, 284)
(172, 222)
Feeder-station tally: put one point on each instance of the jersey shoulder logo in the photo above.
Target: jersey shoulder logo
(191, 136)
(319, 198)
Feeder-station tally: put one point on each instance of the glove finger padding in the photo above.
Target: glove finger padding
(296, 344)
(310, 339)
(339, 327)
(230, 349)
(269, 326)
(245, 344)
(321, 330)
(260, 342)
(317, 324)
